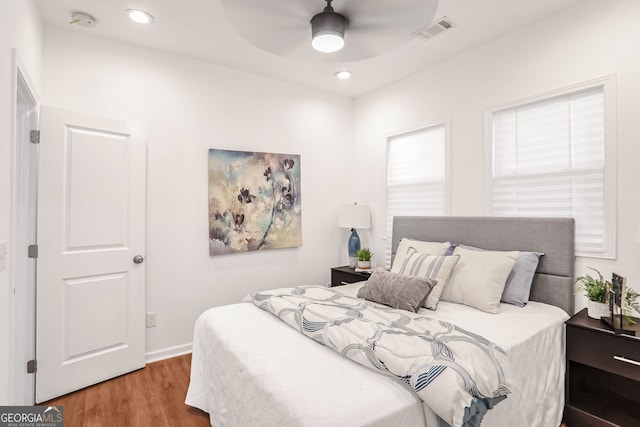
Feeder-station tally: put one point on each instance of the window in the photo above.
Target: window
(555, 157)
(416, 170)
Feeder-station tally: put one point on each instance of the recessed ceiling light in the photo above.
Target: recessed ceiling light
(139, 16)
(343, 74)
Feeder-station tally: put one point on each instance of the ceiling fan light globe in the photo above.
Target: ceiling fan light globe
(328, 42)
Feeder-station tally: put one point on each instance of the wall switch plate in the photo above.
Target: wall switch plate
(152, 317)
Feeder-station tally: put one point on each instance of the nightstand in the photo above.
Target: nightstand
(603, 375)
(345, 275)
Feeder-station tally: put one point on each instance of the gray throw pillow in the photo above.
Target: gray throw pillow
(396, 290)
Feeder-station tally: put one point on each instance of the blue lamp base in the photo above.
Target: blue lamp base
(353, 246)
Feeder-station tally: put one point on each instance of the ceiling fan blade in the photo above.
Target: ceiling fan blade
(266, 14)
(284, 28)
(281, 42)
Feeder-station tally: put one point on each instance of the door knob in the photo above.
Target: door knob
(138, 259)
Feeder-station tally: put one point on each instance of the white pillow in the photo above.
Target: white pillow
(409, 246)
(435, 267)
(479, 278)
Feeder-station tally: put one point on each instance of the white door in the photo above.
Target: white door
(91, 225)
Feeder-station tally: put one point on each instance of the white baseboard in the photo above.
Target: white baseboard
(166, 353)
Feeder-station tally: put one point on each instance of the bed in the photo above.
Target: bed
(251, 369)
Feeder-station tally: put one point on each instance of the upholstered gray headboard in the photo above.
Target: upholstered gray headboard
(553, 283)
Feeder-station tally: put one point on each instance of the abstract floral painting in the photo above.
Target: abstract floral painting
(254, 201)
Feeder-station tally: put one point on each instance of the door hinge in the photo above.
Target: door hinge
(34, 137)
(32, 366)
(32, 251)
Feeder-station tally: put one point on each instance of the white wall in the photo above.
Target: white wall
(20, 29)
(590, 40)
(185, 108)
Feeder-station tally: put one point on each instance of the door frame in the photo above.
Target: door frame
(23, 309)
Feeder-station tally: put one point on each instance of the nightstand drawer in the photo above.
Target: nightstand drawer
(606, 352)
(576, 417)
(346, 275)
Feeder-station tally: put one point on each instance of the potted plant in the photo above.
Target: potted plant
(364, 258)
(631, 305)
(596, 290)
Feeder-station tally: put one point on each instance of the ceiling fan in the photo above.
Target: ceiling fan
(327, 30)
(367, 28)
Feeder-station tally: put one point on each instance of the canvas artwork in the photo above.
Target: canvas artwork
(254, 201)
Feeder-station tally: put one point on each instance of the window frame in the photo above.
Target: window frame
(447, 169)
(608, 84)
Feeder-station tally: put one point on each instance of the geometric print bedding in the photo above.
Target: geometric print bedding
(458, 374)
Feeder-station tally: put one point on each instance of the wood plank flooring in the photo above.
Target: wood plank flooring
(153, 396)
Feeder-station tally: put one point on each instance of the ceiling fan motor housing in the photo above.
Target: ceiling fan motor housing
(328, 22)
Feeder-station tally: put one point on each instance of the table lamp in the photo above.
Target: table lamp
(354, 216)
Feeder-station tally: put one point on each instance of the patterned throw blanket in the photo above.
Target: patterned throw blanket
(458, 374)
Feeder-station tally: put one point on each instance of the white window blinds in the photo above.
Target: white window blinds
(415, 176)
(549, 160)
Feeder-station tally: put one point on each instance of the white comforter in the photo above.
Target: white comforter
(458, 374)
(249, 369)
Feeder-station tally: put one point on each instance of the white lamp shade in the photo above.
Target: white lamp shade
(355, 216)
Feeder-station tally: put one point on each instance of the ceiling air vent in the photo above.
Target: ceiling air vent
(438, 26)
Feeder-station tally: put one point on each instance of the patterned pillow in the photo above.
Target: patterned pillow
(434, 267)
(395, 290)
(409, 246)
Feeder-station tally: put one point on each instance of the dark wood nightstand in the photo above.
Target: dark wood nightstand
(345, 275)
(603, 375)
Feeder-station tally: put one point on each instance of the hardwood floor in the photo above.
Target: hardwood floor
(153, 396)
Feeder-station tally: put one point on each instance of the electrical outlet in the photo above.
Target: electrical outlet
(152, 318)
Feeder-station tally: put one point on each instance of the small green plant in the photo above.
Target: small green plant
(364, 254)
(594, 288)
(631, 305)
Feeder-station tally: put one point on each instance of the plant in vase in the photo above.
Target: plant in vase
(596, 290)
(364, 258)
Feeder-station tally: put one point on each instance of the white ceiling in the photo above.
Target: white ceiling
(198, 29)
